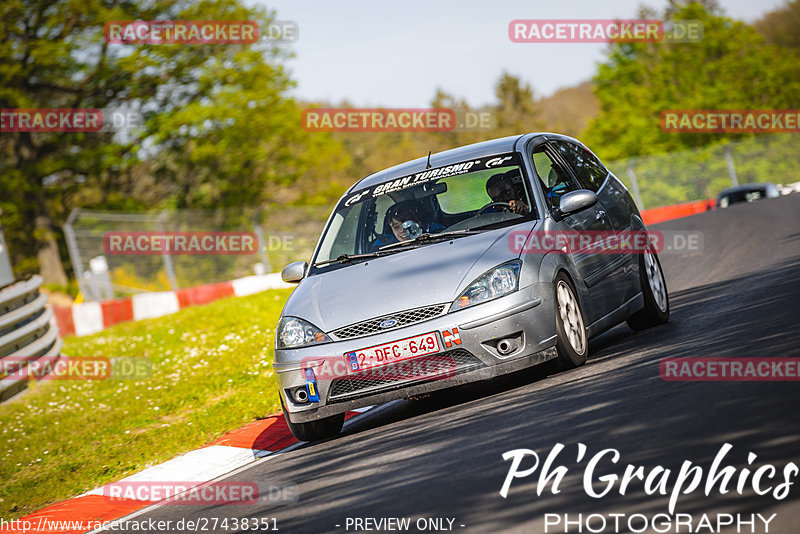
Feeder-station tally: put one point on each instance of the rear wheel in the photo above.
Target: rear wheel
(571, 340)
(315, 430)
(654, 290)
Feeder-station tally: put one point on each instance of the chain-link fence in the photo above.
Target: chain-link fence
(677, 177)
(283, 234)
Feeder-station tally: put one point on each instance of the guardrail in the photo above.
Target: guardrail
(678, 211)
(27, 332)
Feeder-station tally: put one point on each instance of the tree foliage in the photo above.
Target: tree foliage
(781, 27)
(731, 68)
(217, 127)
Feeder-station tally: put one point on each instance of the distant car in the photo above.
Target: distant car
(747, 193)
(789, 189)
(416, 283)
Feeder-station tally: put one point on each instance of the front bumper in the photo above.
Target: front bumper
(526, 316)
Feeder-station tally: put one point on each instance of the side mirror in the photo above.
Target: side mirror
(576, 201)
(294, 272)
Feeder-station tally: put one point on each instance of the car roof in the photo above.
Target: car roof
(453, 155)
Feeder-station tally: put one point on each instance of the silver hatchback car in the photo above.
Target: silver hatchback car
(458, 267)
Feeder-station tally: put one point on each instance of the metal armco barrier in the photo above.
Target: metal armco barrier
(27, 331)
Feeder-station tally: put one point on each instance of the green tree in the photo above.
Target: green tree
(569, 110)
(731, 68)
(516, 110)
(217, 127)
(781, 26)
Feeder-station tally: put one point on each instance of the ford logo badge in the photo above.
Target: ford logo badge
(388, 323)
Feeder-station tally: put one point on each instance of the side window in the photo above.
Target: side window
(590, 172)
(556, 181)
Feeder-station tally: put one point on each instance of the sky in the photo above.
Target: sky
(396, 54)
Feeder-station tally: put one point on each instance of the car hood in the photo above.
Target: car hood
(431, 274)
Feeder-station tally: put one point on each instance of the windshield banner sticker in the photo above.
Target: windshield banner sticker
(446, 171)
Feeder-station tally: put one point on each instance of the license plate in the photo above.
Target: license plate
(396, 351)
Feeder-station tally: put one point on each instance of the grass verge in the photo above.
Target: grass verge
(211, 372)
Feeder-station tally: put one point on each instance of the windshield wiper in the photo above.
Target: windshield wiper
(430, 238)
(424, 238)
(344, 258)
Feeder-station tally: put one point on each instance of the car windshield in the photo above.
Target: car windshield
(450, 201)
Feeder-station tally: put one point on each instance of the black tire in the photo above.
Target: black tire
(572, 343)
(315, 430)
(653, 313)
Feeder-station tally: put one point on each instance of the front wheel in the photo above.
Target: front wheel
(571, 339)
(654, 290)
(315, 430)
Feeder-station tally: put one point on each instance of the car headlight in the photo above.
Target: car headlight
(492, 284)
(293, 332)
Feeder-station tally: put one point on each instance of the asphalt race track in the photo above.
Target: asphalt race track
(441, 457)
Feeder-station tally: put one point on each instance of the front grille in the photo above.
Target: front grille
(403, 318)
(403, 374)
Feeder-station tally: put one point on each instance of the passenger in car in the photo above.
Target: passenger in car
(406, 222)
